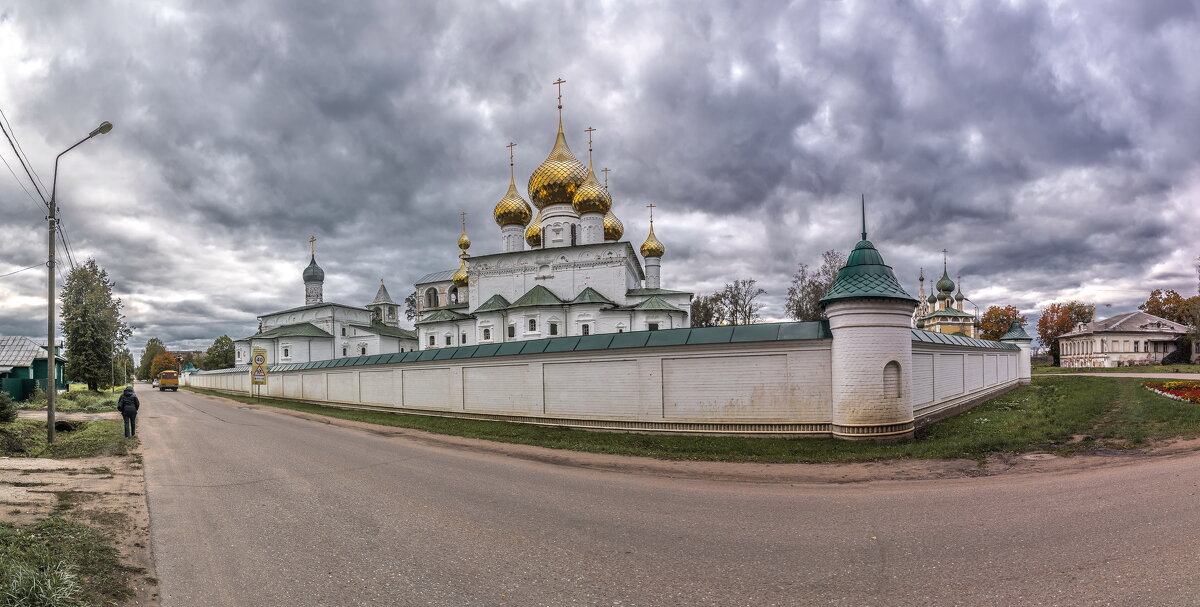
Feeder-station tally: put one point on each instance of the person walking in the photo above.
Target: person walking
(128, 406)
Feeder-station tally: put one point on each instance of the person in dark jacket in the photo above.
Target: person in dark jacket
(128, 406)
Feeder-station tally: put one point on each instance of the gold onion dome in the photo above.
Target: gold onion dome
(460, 277)
(512, 209)
(613, 228)
(464, 242)
(591, 197)
(652, 247)
(555, 181)
(533, 234)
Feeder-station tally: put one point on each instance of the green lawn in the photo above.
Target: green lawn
(27, 438)
(1047, 370)
(60, 562)
(1113, 412)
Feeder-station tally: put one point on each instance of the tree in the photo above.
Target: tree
(809, 286)
(738, 297)
(92, 324)
(162, 362)
(410, 306)
(708, 310)
(154, 347)
(219, 354)
(1172, 306)
(996, 321)
(1061, 318)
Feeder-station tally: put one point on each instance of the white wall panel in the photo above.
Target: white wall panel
(375, 388)
(341, 387)
(736, 388)
(948, 376)
(605, 388)
(974, 371)
(922, 378)
(314, 386)
(504, 388)
(428, 388)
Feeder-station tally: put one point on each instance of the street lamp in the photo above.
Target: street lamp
(51, 367)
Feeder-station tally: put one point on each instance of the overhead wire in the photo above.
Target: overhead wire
(39, 265)
(18, 180)
(24, 158)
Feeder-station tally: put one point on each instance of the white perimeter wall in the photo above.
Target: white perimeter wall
(945, 376)
(754, 387)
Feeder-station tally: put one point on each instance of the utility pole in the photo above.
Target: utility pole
(51, 366)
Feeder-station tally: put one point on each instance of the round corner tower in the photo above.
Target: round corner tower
(1017, 336)
(870, 316)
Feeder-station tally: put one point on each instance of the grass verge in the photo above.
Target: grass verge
(1064, 414)
(1047, 370)
(60, 562)
(27, 438)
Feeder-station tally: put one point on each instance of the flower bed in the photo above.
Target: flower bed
(1186, 391)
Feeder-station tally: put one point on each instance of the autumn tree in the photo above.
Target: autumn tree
(162, 362)
(739, 302)
(1059, 319)
(220, 354)
(1172, 306)
(154, 347)
(708, 310)
(809, 286)
(996, 321)
(93, 327)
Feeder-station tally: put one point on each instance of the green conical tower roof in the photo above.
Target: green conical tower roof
(865, 275)
(1016, 332)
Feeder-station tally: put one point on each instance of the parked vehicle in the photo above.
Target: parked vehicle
(168, 380)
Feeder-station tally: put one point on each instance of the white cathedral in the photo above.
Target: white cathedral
(577, 277)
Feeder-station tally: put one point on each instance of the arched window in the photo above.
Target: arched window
(532, 324)
(487, 335)
(343, 330)
(343, 351)
(448, 338)
(452, 295)
(554, 328)
(431, 298)
(586, 329)
(432, 340)
(362, 351)
(891, 380)
(512, 330)
(463, 341)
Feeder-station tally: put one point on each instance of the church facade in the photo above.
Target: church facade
(942, 312)
(564, 272)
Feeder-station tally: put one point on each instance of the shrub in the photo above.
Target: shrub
(1178, 357)
(8, 409)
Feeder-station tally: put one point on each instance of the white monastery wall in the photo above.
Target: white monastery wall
(783, 387)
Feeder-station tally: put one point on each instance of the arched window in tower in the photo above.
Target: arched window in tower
(891, 380)
(431, 299)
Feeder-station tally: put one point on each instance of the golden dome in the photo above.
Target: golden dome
(533, 234)
(591, 197)
(464, 243)
(460, 277)
(652, 247)
(512, 209)
(613, 228)
(555, 181)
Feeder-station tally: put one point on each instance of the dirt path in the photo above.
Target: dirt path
(105, 492)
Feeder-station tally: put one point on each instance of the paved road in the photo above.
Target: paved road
(253, 507)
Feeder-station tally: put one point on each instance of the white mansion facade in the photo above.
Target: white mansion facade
(1136, 338)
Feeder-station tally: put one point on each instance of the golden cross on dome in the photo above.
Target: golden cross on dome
(313, 243)
(510, 147)
(559, 84)
(651, 207)
(605, 170)
(589, 131)
(463, 214)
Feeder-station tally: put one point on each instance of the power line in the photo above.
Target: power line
(23, 165)
(18, 180)
(39, 265)
(26, 157)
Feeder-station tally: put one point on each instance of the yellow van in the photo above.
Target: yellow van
(168, 380)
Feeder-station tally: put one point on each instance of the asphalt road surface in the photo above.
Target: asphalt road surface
(255, 507)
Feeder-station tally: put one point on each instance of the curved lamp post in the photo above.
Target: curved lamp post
(51, 367)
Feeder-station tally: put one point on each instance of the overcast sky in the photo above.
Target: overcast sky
(1052, 147)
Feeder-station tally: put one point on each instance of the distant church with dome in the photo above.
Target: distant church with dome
(563, 272)
(942, 312)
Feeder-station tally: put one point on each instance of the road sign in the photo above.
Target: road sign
(258, 367)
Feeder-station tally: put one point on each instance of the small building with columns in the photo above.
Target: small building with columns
(564, 272)
(1135, 338)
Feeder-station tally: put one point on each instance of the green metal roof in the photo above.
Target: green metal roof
(591, 296)
(766, 332)
(537, 296)
(442, 315)
(640, 292)
(656, 303)
(301, 329)
(932, 337)
(493, 304)
(382, 329)
(865, 276)
(1016, 332)
(948, 312)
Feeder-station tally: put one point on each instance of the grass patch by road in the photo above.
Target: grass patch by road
(60, 562)
(75, 401)
(1043, 416)
(1047, 370)
(27, 438)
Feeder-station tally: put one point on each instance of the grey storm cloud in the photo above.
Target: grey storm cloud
(1048, 145)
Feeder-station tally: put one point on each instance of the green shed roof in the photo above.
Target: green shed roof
(494, 304)
(537, 296)
(300, 329)
(443, 316)
(379, 328)
(591, 296)
(656, 303)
